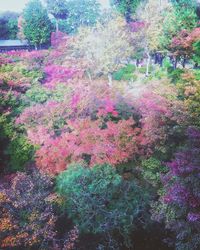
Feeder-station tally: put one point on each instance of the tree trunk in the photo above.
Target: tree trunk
(137, 62)
(148, 63)
(184, 62)
(110, 79)
(57, 26)
(161, 58)
(175, 62)
(155, 58)
(89, 76)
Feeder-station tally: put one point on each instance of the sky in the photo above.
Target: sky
(18, 5)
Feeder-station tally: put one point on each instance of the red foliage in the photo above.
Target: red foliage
(182, 44)
(58, 39)
(58, 74)
(158, 117)
(114, 144)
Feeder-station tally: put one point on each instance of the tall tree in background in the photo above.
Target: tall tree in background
(151, 14)
(8, 25)
(126, 7)
(59, 9)
(80, 13)
(104, 47)
(71, 14)
(186, 13)
(37, 25)
(181, 17)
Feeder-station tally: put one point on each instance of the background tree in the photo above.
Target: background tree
(8, 25)
(37, 25)
(151, 15)
(185, 45)
(105, 47)
(126, 7)
(80, 13)
(59, 9)
(181, 17)
(21, 23)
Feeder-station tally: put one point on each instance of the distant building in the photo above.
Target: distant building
(7, 45)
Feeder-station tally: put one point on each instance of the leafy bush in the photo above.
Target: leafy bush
(36, 75)
(152, 169)
(100, 201)
(189, 91)
(15, 151)
(20, 152)
(179, 204)
(88, 140)
(175, 74)
(142, 70)
(26, 213)
(125, 73)
(38, 94)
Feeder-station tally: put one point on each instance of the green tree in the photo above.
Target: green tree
(80, 13)
(152, 14)
(99, 200)
(8, 25)
(126, 7)
(37, 25)
(59, 9)
(196, 56)
(182, 16)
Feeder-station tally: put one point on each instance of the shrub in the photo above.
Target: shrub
(175, 74)
(189, 91)
(58, 74)
(152, 170)
(100, 201)
(179, 204)
(142, 70)
(162, 116)
(27, 217)
(38, 94)
(20, 152)
(113, 143)
(125, 73)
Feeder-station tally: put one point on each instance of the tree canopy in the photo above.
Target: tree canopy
(37, 25)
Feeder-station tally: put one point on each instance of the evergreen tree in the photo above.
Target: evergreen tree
(37, 25)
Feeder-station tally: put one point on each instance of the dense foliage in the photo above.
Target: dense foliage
(97, 198)
(180, 201)
(8, 25)
(37, 26)
(26, 214)
(70, 15)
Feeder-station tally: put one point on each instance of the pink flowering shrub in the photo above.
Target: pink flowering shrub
(57, 74)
